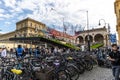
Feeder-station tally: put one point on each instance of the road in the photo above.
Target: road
(97, 74)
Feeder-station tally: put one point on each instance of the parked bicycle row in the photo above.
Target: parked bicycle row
(56, 66)
(102, 55)
(57, 63)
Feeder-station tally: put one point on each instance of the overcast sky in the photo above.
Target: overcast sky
(11, 11)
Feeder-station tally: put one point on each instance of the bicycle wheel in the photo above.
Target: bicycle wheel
(73, 72)
(63, 75)
(81, 69)
(7, 77)
(89, 65)
(94, 62)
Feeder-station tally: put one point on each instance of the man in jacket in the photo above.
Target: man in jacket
(114, 57)
(19, 51)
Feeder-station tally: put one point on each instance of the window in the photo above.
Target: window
(21, 25)
(25, 25)
(31, 24)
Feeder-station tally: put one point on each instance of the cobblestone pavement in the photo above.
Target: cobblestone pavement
(97, 74)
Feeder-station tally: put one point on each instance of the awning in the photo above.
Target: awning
(37, 40)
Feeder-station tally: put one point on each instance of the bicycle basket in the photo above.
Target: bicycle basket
(15, 71)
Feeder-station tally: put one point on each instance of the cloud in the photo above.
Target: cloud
(53, 11)
(0, 2)
(16, 10)
(7, 23)
(6, 15)
(1, 19)
(10, 3)
(2, 10)
(25, 4)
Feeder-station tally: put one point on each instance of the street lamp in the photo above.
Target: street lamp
(107, 27)
(102, 20)
(88, 37)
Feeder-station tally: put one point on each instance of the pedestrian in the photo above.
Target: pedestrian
(19, 51)
(0, 51)
(37, 52)
(26, 51)
(3, 52)
(114, 57)
(30, 51)
(11, 52)
(55, 51)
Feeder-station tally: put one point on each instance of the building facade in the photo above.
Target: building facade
(30, 28)
(99, 35)
(24, 28)
(117, 12)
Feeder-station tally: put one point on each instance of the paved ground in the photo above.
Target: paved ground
(97, 74)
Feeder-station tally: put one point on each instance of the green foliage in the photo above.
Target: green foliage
(66, 45)
(56, 41)
(97, 45)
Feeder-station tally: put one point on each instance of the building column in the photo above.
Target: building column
(83, 40)
(105, 41)
(93, 38)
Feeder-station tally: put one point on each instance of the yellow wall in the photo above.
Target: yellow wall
(117, 12)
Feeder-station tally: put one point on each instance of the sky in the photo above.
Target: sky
(54, 13)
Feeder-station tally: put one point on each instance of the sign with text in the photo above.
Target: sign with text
(113, 38)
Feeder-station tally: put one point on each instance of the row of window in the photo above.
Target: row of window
(36, 26)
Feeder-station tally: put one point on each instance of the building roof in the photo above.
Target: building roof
(7, 33)
(28, 18)
(92, 30)
(59, 34)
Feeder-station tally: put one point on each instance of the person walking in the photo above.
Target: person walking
(114, 57)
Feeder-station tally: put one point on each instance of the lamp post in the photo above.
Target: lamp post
(108, 30)
(64, 27)
(88, 37)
